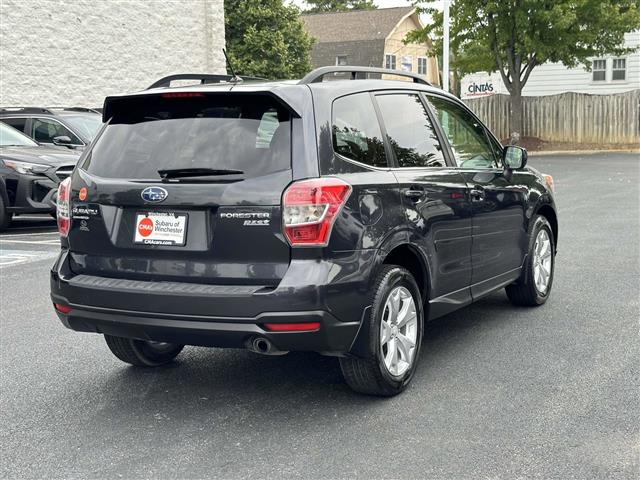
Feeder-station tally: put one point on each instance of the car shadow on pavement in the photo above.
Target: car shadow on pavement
(202, 378)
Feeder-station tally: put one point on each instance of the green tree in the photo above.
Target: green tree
(513, 37)
(319, 6)
(266, 38)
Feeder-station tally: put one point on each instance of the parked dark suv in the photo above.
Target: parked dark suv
(328, 216)
(70, 127)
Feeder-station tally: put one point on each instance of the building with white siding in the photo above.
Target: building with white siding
(76, 52)
(610, 74)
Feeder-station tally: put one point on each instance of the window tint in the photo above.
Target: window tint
(467, 137)
(241, 132)
(410, 131)
(356, 133)
(17, 123)
(45, 130)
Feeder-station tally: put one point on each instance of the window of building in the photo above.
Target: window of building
(619, 71)
(422, 65)
(356, 133)
(390, 62)
(410, 131)
(599, 70)
(341, 60)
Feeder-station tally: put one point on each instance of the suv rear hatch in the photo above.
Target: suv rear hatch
(185, 186)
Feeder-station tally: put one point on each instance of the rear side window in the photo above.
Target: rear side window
(17, 123)
(410, 131)
(251, 133)
(356, 132)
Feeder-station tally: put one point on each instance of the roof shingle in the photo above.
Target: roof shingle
(354, 26)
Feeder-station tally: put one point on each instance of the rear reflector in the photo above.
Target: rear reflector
(62, 308)
(293, 327)
(310, 208)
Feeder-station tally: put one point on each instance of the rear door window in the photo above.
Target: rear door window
(356, 132)
(251, 133)
(410, 131)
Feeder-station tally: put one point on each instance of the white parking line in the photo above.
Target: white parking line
(34, 242)
(16, 257)
(27, 234)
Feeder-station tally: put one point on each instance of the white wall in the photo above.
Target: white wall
(555, 78)
(76, 52)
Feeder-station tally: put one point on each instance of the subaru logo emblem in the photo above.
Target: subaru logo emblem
(154, 194)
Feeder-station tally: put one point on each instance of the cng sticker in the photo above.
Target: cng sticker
(145, 227)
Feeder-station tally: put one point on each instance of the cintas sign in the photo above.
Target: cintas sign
(474, 89)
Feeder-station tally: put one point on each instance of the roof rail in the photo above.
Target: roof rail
(25, 110)
(75, 109)
(319, 73)
(203, 78)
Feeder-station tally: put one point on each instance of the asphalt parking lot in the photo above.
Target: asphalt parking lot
(501, 392)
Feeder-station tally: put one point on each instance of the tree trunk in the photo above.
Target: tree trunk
(515, 120)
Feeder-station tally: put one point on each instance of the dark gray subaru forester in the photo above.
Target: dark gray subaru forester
(329, 216)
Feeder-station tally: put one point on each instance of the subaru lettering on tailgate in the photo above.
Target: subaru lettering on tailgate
(154, 194)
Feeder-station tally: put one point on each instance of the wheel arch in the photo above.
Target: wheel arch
(409, 257)
(549, 213)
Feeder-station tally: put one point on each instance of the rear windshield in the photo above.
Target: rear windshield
(250, 133)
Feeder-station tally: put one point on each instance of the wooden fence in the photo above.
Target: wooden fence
(568, 117)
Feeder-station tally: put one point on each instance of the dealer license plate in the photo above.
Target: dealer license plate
(161, 228)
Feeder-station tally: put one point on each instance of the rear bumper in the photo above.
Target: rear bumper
(333, 336)
(215, 315)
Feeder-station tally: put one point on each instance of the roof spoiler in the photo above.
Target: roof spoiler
(358, 73)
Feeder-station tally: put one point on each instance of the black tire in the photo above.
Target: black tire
(524, 291)
(141, 353)
(367, 373)
(5, 217)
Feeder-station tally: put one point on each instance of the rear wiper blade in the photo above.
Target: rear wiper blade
(196, 172)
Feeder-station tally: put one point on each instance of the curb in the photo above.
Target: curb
(543, 153)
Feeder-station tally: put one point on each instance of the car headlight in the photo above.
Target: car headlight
(26, 168)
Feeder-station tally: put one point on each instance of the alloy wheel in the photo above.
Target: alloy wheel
(399, 331)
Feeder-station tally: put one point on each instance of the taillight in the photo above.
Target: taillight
(309, 209)
(63, 207)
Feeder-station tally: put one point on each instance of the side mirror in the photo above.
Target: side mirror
(62, 141)
(514, 158)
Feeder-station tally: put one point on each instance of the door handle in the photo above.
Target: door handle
(415, 194)
(476, 194)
